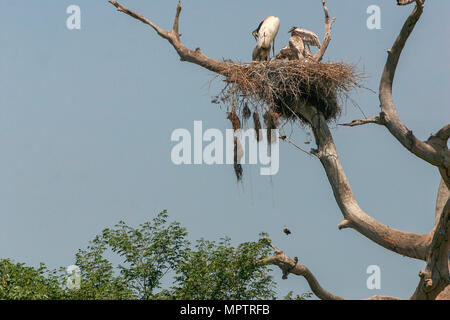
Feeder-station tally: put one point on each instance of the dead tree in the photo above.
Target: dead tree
(433, 248)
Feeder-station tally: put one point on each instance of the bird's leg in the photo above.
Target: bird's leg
(273, 48)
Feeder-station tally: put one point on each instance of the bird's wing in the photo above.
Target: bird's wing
(268, 31)
(259, 27)
(308, 37)
(297, 46)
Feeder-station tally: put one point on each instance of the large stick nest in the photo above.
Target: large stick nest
(277, 87)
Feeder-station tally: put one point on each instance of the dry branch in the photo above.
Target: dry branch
(361, 122)
(434, 150)
(173, 36)
(404, 2)
(435, 279)
(439, 157)
(436, 276)
(291, 266)
(404, 243)
(326, 41)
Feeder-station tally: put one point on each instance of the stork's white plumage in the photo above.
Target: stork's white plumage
(265, 34)
(309, 38)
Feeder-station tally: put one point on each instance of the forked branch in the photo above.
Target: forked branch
(291, 266)
(404, 243)
(173, 36)
(437, 155)
(326, 41)
(434, 150)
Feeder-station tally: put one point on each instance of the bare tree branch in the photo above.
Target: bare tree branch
(286, 138)
(176, 22)
(383, 298)
(328, 23)
(389, 116)
(442, 199)
(288, 265)
(435, 278)
(291, 266)
(434, 150)
(445, 294)
(361, 122)
(404, 2)
(173, 36)
(405, 243)
(439, 142)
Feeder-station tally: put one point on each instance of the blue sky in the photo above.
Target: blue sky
(86, 118)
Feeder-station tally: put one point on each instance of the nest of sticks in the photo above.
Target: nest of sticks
(277, 86)
(273, 90)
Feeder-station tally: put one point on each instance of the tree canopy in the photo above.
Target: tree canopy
(154, 260)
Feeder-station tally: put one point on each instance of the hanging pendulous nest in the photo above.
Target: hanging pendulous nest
(257, 124)
(271, 122)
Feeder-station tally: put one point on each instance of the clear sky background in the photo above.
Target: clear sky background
(86, 118)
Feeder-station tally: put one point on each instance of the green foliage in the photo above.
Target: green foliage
(153, 261)
(149, 252)
(218, 271)
(20, 282)
(303, 296)
(98, 279)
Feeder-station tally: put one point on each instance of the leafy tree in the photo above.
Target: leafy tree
(20, 282)
(218, 271)
(149, 252)
(155, 253)
(98, 279)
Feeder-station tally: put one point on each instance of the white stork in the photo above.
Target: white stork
(299, 38)
(265, 34)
